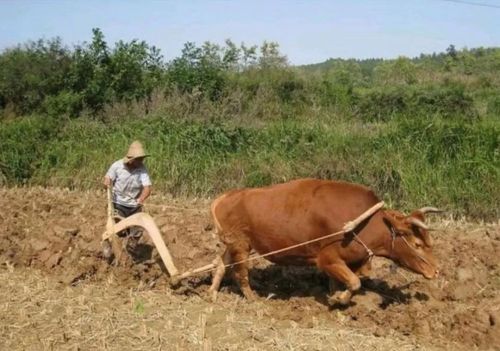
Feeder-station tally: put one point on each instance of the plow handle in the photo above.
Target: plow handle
(110, 221)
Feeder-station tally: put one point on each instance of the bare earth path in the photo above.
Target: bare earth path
(57, 292)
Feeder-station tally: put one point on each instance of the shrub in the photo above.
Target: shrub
(65, 103)
(378, 104)
(381, 105)
(447, 101)
(22, 143)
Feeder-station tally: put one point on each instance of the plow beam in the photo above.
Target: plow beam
(146, 222)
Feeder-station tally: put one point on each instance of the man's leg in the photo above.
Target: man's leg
(133, 234)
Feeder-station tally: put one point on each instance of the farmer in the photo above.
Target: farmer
(131, 187)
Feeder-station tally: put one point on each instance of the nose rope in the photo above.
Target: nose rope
(415, 251)
(394, 234)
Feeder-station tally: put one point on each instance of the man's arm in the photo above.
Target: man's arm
(146, 191)
(106, 181)
(110, 176)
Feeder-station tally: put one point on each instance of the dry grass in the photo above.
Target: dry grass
(39, 313)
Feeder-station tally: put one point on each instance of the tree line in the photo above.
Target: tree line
(47, 77)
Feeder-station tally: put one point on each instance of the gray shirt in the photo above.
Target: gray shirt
(127, 184)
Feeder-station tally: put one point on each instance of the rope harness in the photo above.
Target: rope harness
(415, 251)
(394, 235)
(348, 227)
(256, 257)
(369, 252)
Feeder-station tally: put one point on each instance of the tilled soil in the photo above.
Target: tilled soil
(53, 235)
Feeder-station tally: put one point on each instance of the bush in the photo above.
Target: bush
(334, 94)
(447, 101)
(382, 105)
(22, 143)
(65, 103)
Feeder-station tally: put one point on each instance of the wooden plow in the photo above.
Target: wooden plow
(146, 222)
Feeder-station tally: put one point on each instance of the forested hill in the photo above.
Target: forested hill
(478, 59)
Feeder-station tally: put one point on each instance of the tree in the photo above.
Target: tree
(399, 71)
(31, 72)
(451, 51)
(271, 56)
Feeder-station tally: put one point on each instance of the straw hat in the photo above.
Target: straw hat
(135, 151)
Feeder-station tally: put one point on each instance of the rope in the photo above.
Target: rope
(253, 258)
(370, 252)
(415, 251)
(256, 257)
(213, 267)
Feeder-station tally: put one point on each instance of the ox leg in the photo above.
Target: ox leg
(241, 271)
(362, 271)
(219, 274)
(342, 273)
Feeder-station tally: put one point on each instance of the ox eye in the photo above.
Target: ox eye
(419, 245)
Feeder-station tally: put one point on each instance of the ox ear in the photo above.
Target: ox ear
(421, 228)
(420, 216)
(398, 224)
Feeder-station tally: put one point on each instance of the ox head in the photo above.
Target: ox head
(411, 244)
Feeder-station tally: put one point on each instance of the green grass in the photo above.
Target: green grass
(410, 162)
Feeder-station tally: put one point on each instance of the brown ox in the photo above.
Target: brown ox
(283, 215)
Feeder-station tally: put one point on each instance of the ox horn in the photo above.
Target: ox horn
(418, 223)
(425, 210)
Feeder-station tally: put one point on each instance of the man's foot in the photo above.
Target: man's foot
(107, 251)
(132, 243)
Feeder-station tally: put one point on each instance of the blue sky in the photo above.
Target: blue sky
(307, 31)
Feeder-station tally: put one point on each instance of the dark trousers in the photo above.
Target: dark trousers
(125, 211)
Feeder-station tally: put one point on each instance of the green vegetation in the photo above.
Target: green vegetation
(423, 131)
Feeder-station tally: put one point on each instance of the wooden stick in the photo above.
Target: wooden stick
(350, 226)
(191, 272)
(110, 223)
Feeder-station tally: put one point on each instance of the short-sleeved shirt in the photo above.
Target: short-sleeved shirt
(127, 184)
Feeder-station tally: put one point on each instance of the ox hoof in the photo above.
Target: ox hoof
(340, 298)
(250, 295)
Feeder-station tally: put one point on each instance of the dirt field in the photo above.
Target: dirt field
(57, 292)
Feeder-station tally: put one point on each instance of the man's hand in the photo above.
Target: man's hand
(106, 182)
(144, 195)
